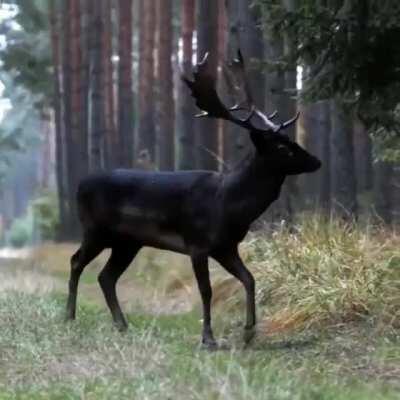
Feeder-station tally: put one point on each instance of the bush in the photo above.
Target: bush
(20, 233)
(46, 215)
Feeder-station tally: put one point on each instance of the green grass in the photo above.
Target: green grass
(41, 357)
(328, 298)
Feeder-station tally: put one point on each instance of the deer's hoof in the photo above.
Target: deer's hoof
(209, 344)
(69, 316)
(121, 326)
(249, 334)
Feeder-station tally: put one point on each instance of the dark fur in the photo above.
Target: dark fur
(199, 213)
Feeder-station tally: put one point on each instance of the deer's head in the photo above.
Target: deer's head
(274, 150)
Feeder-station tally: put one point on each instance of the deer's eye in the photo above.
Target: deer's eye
(284, 148)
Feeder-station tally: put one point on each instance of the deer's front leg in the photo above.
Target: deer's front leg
(232, 262)
(200, 268)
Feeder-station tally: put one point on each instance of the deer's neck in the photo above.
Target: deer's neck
(250, 189)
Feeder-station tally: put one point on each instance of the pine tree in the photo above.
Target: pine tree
(146, 128)
(166, 104)
(207, 42)
(343, 178)
(186, 107)
(97, 99)
(125, 89)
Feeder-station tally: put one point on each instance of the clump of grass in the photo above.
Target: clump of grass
(320, 273)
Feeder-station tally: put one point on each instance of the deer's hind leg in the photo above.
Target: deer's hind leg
(89, 250)
(121, 257)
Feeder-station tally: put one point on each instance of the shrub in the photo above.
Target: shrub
(20, 233)
(46, 215)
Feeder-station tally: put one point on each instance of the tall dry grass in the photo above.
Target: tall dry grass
(326, 272)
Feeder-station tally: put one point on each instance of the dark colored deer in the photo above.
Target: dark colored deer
(199, 213)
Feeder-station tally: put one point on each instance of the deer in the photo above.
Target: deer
(202, 214)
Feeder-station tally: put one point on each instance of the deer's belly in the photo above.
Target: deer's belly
(153, 234)
(163, 230)
(166, 241)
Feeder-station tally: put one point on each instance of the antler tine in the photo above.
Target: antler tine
(290, 121)
(273, 115)
(242, 68)
(271, 126)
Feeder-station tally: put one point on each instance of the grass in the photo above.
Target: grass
(320, 274)
(328, 299)
(41, 357)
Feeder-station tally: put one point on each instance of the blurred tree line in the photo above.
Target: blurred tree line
(106, 75)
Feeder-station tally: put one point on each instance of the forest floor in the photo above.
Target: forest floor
(328, 304)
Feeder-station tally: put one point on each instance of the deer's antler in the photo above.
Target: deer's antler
(203, 88)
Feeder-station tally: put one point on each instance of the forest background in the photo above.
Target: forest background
(95, 84)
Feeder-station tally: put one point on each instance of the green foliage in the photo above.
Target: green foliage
(350, 49)
(27, 56)
(21, 231)
(25, 74)
(20, 126)
(41, 219)
(45, 214)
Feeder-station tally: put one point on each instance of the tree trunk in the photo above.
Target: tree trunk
(66, 96)
(62, 188)
(96, 131)
(343, 178)
(72, 106)
(280, 99)
(87, 11)
(207, 41)
(289, 194)
(244, 33)
(313, 135)
(96, 138)
(166, 108)
(111, 140)
(186, 113)
(383, 191)
(222, 43)
(45, 151)
(146, 130)
(76, 90)
(363, 157)
(125, 88)
(325, 174)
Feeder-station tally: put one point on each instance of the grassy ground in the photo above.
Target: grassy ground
(328, 300)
